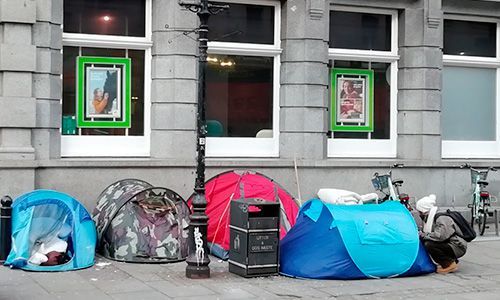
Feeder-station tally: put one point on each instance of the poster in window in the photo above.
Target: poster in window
(352, 100)
(103, 92)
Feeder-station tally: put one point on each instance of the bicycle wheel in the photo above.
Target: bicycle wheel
(481, 221)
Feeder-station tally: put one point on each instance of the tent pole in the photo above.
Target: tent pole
(197, 260)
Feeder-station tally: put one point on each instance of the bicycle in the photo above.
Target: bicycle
(481, 198)
(390, 188)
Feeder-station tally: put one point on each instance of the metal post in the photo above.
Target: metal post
(5, 227)
(197, 260)
(496, 221)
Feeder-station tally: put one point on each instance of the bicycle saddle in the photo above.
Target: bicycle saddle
(397, 181)
(482, 182)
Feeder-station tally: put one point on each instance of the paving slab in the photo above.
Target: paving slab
(478, 277)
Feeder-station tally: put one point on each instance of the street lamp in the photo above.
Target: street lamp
(197, 260)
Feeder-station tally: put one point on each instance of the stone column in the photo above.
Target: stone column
(47, 79)
(304, 79)
(17, 101)
(174, 82)
(419, 81)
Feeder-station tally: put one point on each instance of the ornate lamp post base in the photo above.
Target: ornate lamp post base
(197, 259)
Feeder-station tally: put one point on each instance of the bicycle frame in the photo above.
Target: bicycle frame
(481, 199)
(385, 184)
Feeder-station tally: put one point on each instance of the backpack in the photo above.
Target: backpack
(468, 233)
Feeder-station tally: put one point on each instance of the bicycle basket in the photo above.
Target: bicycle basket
(380, 182)
(478, 175)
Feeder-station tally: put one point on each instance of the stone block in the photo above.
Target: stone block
(174, 42)
(173, 144)
(173, 116)
(49, 11)
(47, 86)
(174, 66)
(18, 11)
(419, 79)
(47, 35)
(419, 122)
(17, 57)
(174, 90)
(304, 73)
(47, 143)
(16, 182)
(48, 113)
(409, 147)
(303, 145)
(305, 51)
(17, 84)
(303, 119)
(48, 61)
(57, 11)
(304, 95)
(431, 147)
(416, 31)
(299, 23)
(421, 57)
(17, 112)
(44, 10)
(15, 138)
(170, 14)
(429, 100)
(15, 33)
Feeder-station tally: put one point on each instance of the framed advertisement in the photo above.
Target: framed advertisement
(103, 92)
(352, 100)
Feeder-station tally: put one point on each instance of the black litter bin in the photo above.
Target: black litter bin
(254, 237)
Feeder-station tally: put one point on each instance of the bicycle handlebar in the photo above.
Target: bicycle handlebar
(466, 165)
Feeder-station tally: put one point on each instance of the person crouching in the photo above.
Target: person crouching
(441, 236)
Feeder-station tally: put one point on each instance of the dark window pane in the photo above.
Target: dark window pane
(239, 95)
(350, 30)
(243, 23)
(381, 100)
(470, 38)
(113, 17)
(137, 87)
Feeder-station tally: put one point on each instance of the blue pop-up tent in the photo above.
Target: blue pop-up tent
(43, 216)
(353, 242)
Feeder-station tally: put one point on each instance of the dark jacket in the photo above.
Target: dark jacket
(445, 230)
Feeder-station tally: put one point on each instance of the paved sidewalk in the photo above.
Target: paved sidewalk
(477, 278)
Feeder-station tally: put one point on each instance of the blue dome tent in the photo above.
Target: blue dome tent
(353, 242)
(44, 216)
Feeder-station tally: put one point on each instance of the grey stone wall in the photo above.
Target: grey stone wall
(174, 82)
(30, 113)
(419, 84)
(17, 98)
(304, 79)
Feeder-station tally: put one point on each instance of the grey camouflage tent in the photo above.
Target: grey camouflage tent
(137, 222)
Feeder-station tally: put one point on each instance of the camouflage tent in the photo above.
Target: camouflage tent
(137, 222)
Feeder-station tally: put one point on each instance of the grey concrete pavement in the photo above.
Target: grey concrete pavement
(477, 278)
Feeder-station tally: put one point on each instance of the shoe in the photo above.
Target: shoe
(450, 269)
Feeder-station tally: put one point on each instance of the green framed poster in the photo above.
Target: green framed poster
(352, 100)
(103, 92)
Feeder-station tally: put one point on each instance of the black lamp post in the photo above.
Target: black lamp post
(197, 260)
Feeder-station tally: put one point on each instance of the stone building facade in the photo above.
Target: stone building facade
(294, 45)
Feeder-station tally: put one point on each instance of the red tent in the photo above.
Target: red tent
(223, 188)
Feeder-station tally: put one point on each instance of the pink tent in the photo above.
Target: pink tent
(223, 188)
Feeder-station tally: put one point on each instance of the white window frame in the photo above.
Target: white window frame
(114, 146)
(251, 146)
(475, 149)
(370, 148)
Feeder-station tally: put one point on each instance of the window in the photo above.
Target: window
(470, 88)
(118, 29)
(242, 80)
(367, 40)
